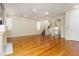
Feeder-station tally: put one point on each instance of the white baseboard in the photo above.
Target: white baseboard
(24, 35)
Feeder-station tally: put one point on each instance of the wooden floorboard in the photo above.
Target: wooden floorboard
(43, 46)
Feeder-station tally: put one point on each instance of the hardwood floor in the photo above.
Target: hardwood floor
(43, 46)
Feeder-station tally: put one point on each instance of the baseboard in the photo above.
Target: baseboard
(24, 35)
(30, 36)
(21, 36)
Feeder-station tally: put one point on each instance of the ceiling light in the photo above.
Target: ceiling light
(46, 13)
(34, 9)
(77, 6)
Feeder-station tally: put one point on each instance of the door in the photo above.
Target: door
(73, 25)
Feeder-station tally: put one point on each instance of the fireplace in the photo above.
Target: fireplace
(0, 22)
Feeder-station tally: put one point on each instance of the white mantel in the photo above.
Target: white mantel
(2, 28)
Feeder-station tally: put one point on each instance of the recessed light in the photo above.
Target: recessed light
(77, 6)
(34, 9)
(46, 13)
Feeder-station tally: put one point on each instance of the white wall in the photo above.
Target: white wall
(72, 25)
(21, 26)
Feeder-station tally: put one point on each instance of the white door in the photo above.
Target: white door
(73, 25)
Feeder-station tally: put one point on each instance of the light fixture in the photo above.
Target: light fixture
(34, 9)
(77, 6)
(46, 13)
(56, 28)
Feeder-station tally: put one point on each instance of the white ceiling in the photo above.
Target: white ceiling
(37, 9)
